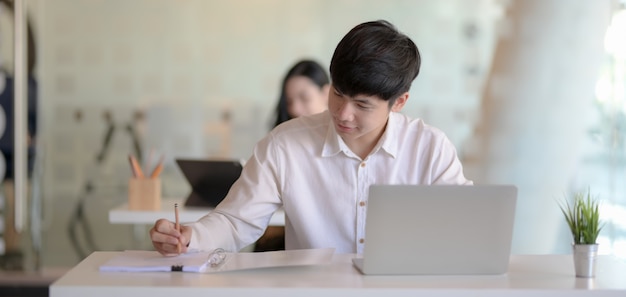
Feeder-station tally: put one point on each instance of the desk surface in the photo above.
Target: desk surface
(123, 215)
(529, 275)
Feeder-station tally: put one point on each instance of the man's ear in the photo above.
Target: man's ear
(400, 102)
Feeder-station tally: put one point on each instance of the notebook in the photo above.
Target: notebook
(214, 261)
(438, 230)
(210, 180)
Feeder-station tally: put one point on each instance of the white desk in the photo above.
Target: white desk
(123, 215)
(529, 275)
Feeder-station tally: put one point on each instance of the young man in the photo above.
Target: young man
(320, 167)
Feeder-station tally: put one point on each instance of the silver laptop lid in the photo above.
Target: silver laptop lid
(439, 230)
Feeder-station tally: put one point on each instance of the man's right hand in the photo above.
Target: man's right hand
(165, 238)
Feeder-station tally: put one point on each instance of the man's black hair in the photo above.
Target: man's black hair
(375, 59)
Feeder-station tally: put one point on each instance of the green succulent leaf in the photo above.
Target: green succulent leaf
(583, 217)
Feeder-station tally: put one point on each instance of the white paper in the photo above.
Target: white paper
(152, 261)
(240, 261)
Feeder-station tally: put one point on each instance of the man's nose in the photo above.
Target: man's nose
(345, 111)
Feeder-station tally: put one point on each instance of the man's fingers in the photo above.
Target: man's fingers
(163, 238)
(167, 240)
(165, 226)
(166, 245)
(166, 249)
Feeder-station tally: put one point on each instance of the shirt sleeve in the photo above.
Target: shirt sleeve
(241, 218)
(446, 166)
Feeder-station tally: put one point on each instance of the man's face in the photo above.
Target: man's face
(360, 120)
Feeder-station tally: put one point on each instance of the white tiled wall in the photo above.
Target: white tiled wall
(204, 75)
(183, 64)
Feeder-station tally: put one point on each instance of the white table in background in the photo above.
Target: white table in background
(529, 275)
(141, 218)
(123, 215)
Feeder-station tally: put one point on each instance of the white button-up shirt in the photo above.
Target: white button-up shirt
(305, 166)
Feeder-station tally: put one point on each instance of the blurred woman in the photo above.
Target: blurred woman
(304, 91)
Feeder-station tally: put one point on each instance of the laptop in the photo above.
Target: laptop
(438, 230)
(210, 180)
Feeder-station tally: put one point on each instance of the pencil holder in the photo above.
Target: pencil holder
(144, 194)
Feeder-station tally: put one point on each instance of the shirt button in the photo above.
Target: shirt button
(361, 240)
(363, 164)
(362, 203)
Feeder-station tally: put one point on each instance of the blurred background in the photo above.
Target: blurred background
(531, 92)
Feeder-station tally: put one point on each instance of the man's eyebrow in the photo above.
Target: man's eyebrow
(363, 101)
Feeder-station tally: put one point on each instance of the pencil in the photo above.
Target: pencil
(136, 168)
(132, 166)
(157, 170)
(177, 225)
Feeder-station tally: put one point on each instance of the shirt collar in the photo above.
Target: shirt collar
(333, 144)
(389, 140)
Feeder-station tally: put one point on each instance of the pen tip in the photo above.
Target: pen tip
(175, 204)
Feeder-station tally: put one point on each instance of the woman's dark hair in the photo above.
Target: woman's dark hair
(307, 68)
(374, 59)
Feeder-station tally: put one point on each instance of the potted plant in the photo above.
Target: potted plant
(583, 219)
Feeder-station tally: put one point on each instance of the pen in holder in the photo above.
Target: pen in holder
(144, 193)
